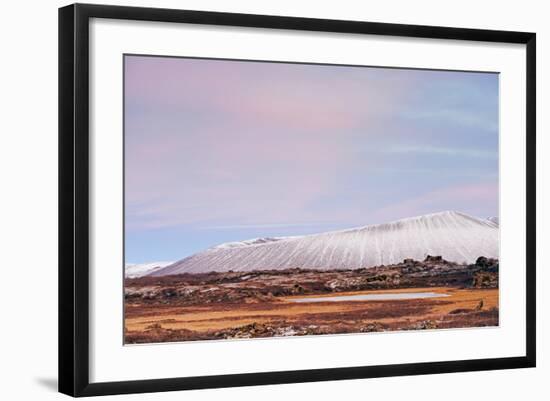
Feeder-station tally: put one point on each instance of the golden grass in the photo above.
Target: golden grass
(217, 317)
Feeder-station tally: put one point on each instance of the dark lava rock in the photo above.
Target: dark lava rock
(169, 292)
(425, 325)
(409, 262)
(488, 264)
(459, 311)
(484, 279)
(431, 258)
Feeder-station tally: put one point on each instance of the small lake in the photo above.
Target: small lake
(371, 297)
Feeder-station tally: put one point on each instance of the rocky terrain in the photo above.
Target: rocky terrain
(257, 286)
(222, 305)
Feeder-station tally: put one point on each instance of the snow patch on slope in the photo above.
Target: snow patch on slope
(248, 242)
(143, 269)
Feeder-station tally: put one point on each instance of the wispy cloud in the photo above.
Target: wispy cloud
(266, 225)
(446, 151)
(478, 199)
(442, 171)
(458, 117)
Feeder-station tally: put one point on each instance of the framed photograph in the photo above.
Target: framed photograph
(251, 199)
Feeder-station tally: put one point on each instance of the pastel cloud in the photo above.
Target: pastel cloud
(480, 199)
(277, 148)
(446, 151)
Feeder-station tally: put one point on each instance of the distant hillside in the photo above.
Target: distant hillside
(455, 236)
(143, 269)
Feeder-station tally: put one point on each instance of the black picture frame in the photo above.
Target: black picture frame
(74, 198)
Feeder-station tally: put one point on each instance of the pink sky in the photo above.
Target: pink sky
(215, 143)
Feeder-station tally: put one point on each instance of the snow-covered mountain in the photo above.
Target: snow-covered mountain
(494, 220)
(143, 269)
(455, 236)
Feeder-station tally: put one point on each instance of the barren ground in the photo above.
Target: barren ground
(259, 304)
